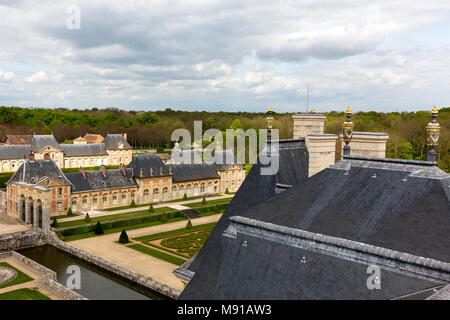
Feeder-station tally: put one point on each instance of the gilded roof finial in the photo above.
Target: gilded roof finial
(313, 111)
(269, 119)
(433, 132)
(347, 131)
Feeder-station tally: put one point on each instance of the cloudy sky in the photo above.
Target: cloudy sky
(226, 55)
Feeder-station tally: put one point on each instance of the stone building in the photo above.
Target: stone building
(232, 174)
(114, 150)
(39, 189)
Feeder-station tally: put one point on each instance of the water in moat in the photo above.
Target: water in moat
(95, 283)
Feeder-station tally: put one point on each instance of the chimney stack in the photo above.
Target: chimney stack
(47, 157)
(31, 157)
(103, 170)
(125, 135)
(83, 172)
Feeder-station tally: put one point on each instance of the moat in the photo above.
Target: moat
(95, 283)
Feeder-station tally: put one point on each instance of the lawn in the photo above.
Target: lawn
(174, 232)
(111, 217)
(187, 244)
(208, 203)
(23, 294)
(157, 254)
(119, 229)
(21, 277)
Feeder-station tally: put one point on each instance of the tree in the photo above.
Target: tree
(151, 209)
(87, 218)
(55, 223)
(185, 197)
(226, 191)
(98, 228)
(236, 125)
(204, 200)
(123, 237)
(405, 151)
(69, 212)
(133, 204)
(189, 224)
(148, 118)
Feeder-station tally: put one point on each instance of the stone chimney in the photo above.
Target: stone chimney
(368, 144)
(123, 168)
(321, 147)
(103, 170)
(83, 172)
(125, 135)
(31, 157)
(46, 156)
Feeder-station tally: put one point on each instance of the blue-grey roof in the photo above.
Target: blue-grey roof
(148, 165)
(41, 141)
(402, 206)
(14, 152)
(95, 149)
(95, 180)
(112, 141)
(36, 170)
(221, 160)
(190, 172)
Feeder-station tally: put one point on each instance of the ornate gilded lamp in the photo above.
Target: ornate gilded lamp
(269, 120)
(433, 131)
(347, 131)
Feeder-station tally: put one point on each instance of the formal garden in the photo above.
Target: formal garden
(174, 246)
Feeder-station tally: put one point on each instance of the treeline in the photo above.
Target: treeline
(406, 130)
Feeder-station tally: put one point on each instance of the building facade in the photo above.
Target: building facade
(113, 150)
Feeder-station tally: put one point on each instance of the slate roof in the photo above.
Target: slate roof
(189, 172)
(221, 160)
(402, 206)
(14, 152)
(36, 170)
(41, 141)
(95, 180)
(112, 141)
(141, 165)
(18, 139)
(84, 149)
(93, 138)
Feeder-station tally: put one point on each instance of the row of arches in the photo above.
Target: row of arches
(105, 200)
(30, 211)
(179, 191)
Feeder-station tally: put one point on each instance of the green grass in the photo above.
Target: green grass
(21, 277)
(62, 216)
(111, 217)
(174, 232)
(157, 254)
(188, 244)
(23, 294)
(129, 207)
(119, 229)
(208, 203)
(247, 168)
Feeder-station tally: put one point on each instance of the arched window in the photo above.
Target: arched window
(133, 195)
(174, 192)
(209, 188)
(202, 187)
(105, 199)
(114, 198)
(155, 191)
(95, 201)
(74, 203)
(124, 197)
(85, 201)
(195, 188)
(188, 189)
(146, 195)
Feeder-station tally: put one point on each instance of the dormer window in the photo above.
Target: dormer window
(33, 180)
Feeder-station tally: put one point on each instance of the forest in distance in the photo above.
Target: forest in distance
(153, 129)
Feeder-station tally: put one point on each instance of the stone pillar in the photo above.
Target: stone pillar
(368, 144)
(46, 213)
(309, 123)
(28, 208)
(321, 149)
(35, 215)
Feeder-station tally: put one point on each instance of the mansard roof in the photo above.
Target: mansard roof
(94, 149)
(14, 152)
(222, 159)
(191, 172)
(41, 141)
(95, 180)
(398, 206)
(93, 138)
(32, 172)
(148, 165)
(112, 141)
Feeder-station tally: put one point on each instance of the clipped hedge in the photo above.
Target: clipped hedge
(211, 209)
(121, 223)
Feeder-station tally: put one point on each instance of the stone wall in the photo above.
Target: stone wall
(112, 267)
(21, 240)
(48, 277)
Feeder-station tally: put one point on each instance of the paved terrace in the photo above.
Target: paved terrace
(174, 205)
(10, 225)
